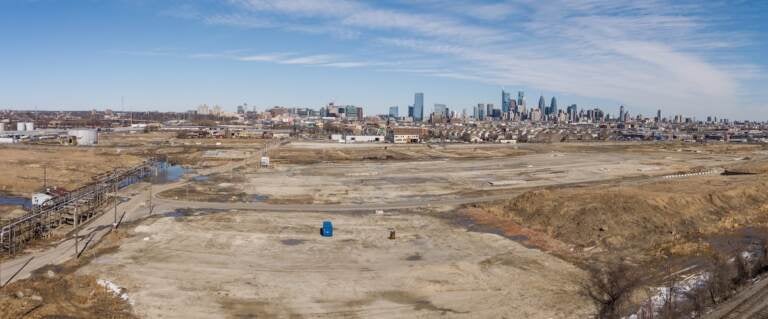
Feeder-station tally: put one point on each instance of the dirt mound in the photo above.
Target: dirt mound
(57, 292)
(643, 221)
(61, 297)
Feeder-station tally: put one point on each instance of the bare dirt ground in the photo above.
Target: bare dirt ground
(455, 172)
(10, 211)
(225, 264)
(56, 292)
(197, 153)
(639, 222)
(25, 167)
(66, 166)
(240, 264)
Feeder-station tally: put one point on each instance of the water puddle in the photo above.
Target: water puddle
(257, 198)
(15, 201)
(167, 173)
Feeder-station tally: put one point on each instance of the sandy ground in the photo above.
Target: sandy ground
(384, 181)
(240, 264)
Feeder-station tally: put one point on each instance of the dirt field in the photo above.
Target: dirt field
(638, 221)
(365, 181)
(570, 206)
(68, 167)
(56, 292)
(240, 264)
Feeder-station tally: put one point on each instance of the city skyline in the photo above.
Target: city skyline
(174, 55)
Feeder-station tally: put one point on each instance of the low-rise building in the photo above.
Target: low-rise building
(407, 135)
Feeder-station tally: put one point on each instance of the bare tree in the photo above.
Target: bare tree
(718, 285)
(743, 269)
(611, 288)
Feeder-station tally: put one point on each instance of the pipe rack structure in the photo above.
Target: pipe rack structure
(73, 208)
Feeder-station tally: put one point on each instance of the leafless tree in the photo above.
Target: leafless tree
(610, 289)
(718, 285)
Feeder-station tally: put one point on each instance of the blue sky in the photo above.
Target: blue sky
(690, 58)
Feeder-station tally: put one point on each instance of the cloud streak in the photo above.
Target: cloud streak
(646, 53)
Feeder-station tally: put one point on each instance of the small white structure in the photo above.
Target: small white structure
(2, 127)
(364, 139)
(264, 161)
(40, 198)
(21, 126)
(85, 137)
(7, 140)
(29, 126)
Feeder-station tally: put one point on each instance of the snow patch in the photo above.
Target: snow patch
(115, 289)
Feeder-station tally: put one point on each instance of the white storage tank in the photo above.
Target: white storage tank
(29, 126)
(21, 126)
(84, 136)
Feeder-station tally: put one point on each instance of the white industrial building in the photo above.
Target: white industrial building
(85, 137)
(40, 198)
(357, 138)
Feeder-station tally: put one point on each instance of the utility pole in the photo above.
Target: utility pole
(114, 225)
(150, 200)
(45, 177)
(76, 232)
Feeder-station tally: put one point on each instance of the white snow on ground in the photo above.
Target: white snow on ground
(115, 289)
(661, 294)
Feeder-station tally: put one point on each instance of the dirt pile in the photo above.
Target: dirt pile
(60, 297)
(57, 292)
(636, 222)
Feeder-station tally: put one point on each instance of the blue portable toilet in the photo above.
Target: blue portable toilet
(327, 230)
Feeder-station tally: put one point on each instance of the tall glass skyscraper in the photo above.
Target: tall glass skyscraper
(506, 101)
(521, 98)
(542, 105)
(418, 107)
(553, 106)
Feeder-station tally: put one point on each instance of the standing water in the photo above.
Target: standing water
(167, 173)
(15, 201)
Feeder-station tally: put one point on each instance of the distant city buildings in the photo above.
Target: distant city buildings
(418, 107)
(506, 102)
(394, 112)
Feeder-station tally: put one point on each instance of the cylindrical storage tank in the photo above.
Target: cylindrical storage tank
(29, 126)
(21, 126)
(85, 137)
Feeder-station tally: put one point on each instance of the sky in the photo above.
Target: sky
(696, 58)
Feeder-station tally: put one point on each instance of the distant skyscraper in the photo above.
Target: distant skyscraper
(506, 101)
(553, 106)
(658, 116)
(572, 113)
(480, 111)
(441, 109)
(394, 112)
(418, 107)
(621, 113)
(521, 98)
(489, 110)
(542, 105)
(410, 111)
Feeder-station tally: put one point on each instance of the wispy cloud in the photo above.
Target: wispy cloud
(643, 52)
